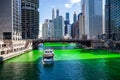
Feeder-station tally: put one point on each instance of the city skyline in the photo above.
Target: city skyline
(64, 6)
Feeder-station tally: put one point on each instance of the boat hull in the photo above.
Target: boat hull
(47, 62)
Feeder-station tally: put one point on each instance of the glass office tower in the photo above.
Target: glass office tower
(92, 18)
(112, 19)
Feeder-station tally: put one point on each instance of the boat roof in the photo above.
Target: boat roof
(49, 51)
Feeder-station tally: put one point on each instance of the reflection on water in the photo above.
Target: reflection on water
(70, 63)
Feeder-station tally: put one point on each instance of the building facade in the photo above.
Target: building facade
(57, 12)
(67, 23)
(58, 27)
(10, 19)
(81, 26)
(93, 18)
(74, 17)
(75, 30)
(51, 29)
(45, 29)
(67, 16)
(53, 14)
(30, 19)
(112, 19)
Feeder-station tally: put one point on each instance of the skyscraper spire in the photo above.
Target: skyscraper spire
(53, 14)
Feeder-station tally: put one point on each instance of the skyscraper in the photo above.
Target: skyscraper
(30, 19)
(112, 19)
(51, 29)
(67, 16)
(58, 27)
(82, 21)
(75, 30)
(67, 23)
(93, 17)
(74, 17)
(57, 12)
(45, 29)
(10, 19)
(81, 26)
(53, 14)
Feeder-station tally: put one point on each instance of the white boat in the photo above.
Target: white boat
(48, 57)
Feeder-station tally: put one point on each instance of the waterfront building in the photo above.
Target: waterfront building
(112, 19)
(11, 43)
(93, 17)
(59, 27)
(30, 19)
(45, 29)
(10, 20)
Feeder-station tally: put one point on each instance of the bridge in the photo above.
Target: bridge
(62, 40)
(83, 42)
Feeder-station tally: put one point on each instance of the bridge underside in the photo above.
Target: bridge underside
(79, 42)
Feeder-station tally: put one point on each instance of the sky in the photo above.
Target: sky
(64, 6)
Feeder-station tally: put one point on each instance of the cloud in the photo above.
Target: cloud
(71, 3)
(75, 1)
(68, 5)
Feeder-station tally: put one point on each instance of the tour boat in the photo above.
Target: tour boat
(48, 57)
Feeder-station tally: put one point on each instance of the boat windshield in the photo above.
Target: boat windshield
(50, 51)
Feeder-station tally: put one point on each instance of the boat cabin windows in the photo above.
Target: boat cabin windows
(48, 57)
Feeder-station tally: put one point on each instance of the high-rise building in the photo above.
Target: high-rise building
(81, 26)
(10, 19)
(93, 18)
(74, 17)
(30, 19)
(51, 29)
(112, 19)
(53, 14)
(67, 16)
(58, 27)
(69, 30)
(45, 29)
(57, 12)
(48, 29)
(75, 30)
(67, 23)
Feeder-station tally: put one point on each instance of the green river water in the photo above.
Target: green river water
(71, 63)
